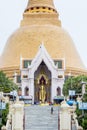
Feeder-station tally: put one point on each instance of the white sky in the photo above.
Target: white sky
(72, 14)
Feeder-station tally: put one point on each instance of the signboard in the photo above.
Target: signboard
(25, 97)
(83, 105)
(71, 92)
(2, 105)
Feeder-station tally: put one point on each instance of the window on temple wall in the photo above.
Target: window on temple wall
(19, 91)
(26, 63)
(26, 91)
(18, 79)
(58, 63)
(58, 91)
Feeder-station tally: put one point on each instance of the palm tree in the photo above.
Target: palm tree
(6, 84)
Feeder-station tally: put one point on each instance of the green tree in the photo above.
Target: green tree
(73, 83)
(6, 84)
(82, 117)
(4, 115)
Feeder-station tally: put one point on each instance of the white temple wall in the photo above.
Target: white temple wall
(60, 84)
(24, 72)
(61, 72)
(53, 89)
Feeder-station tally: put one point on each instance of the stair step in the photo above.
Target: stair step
(40, 118)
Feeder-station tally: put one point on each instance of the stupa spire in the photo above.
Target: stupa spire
(40, 6)
(40, 12)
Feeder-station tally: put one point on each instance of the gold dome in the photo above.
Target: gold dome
(37, 27)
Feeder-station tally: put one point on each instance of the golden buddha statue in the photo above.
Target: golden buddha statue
(42, 94)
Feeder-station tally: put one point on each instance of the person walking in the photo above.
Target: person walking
(51, 110)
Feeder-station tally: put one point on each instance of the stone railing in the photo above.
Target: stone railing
(6, 100)
(76, 122)
(68, 116)
(15, 116)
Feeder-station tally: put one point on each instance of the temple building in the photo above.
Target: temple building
(42, 78)
(41, 52)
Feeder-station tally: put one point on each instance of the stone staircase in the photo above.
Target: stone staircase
(40, 118)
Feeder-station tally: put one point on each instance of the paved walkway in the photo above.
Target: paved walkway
(40, 118)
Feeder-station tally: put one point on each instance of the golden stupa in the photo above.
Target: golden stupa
(40, 23)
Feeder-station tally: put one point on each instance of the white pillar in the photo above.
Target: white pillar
(53, 88)
(32, 89)
(65, 117)
(17, 116)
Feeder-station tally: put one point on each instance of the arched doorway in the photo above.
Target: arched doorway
(26, 91)
(42, 83)
(19, 91)
(58, 91)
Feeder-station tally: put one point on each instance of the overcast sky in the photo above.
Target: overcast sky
(72, 14)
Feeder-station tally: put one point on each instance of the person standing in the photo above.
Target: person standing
(51, 110)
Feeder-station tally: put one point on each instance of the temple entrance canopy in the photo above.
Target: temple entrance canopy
(42, 77)
(42, 83)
